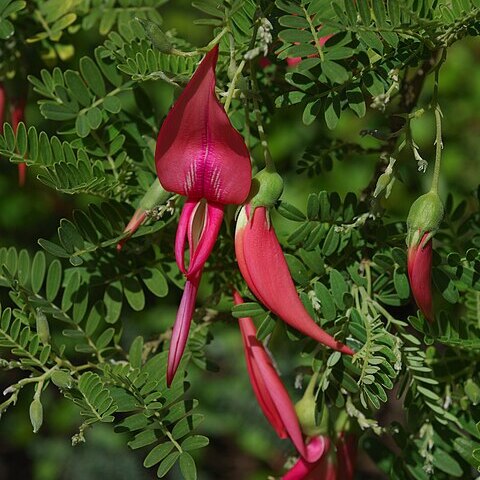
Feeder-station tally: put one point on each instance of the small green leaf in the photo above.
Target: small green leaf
(187, 467)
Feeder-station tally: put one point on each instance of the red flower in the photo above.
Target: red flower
(264, 268)
(201, 156)
(325, 467)
(271, 394)
(419, 274)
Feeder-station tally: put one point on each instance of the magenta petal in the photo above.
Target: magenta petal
(281, 400)
(213, 222)
(138, 218)
(419, 273)
(199, 154)
(264, 268)
(318, 446)
(181, 237)
(182, 326)
(264, 398)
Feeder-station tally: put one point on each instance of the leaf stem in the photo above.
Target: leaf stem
(438, 126)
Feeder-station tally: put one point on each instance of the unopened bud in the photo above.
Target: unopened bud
(425, 215)
(36, 414)
(306, 409)
(267, 187)
(62, 379)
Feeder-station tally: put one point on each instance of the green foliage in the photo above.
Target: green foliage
(75, 316)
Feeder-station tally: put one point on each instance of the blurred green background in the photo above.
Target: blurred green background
(243, 446)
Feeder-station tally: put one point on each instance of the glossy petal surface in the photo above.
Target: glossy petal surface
(264, 268)
(419, 274)
(270, 391)
(182, 326)
(318, 446)
(199, 154)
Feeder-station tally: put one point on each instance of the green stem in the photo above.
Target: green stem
(231, 89)
(438, 126)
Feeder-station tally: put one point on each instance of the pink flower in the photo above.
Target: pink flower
(270, 392)
(325, 467)
(419, 274)
(201, 156)
(294, 61)
(264, 268)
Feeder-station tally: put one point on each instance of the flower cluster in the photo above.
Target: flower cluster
(200, 156)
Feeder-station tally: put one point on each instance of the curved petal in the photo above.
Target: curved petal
(300, 471)
(264, 268)
(419, 273)
(138, 218)
(248, 331)
(199, 154)
(182, 326)
(188, 211)
(199, 252)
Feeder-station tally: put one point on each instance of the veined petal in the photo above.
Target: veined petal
(199, 154)
(264, 268)
(419, 273)
(182, 326)
(318, 446)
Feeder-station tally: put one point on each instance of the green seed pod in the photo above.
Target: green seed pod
(36, 414)
(267, 187)
(62, 379)
(425, 215)
(43, 330)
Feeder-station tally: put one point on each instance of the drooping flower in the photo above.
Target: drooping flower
(271, 394)
(155, 195)
(18, 115)
(201, 156)
(264, 268)
(423, 221)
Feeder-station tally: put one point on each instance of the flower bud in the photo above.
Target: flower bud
(43, 330)
(425, 215)
(62, 379)
(267, 187)
(36, 414)
(306, 409)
